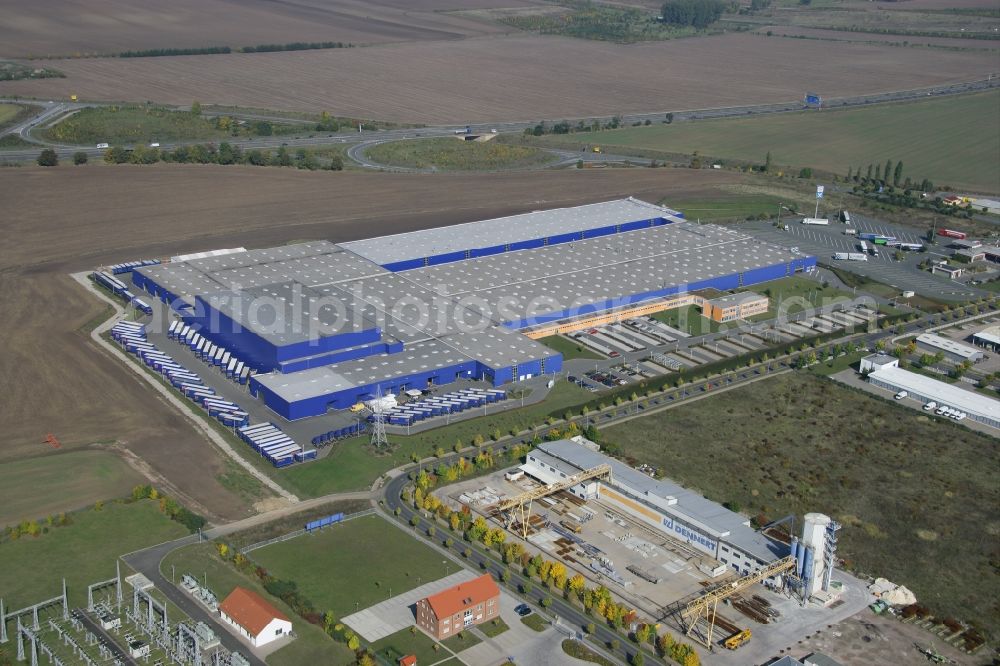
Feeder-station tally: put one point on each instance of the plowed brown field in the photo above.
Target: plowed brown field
(68, 219)
(68, 27)
(515, 77)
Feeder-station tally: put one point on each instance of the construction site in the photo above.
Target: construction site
(673, 555)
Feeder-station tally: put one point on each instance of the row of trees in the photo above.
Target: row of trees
(890, 175)
(694, 13)
(215, 50)
(208, 153)
(552, 575)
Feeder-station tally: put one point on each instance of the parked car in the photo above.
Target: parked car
(523, 610)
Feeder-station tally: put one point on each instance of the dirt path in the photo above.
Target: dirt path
(170, 396)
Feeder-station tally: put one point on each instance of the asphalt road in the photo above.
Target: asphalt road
(148, 561)
(52, 108)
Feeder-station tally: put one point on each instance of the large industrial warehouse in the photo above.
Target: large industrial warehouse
(324, 325)
(660, 503)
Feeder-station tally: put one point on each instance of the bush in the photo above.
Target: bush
(48, 158)
(80, 157)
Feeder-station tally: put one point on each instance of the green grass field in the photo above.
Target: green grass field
(452, 154)
(8, 112)
(912, 492)
(568, 348)
(353, 565)
(351, 465)
(312, 645)
(727, 206)
(405, 642)
(141, 124)
(82, 478)
(83, 552)
(953, 140)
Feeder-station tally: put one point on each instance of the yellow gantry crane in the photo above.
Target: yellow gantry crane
(704, 607)
(519, 506)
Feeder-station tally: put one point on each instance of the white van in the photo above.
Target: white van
(941, 410)
(901, 395)
(929, 406)
(103, 146)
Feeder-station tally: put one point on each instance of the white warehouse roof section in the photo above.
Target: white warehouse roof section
(941, 392)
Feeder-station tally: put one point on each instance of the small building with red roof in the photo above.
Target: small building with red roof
(450, 611)
(253, 617)
(408, 660)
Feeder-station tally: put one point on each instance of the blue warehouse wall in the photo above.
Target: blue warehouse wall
(471, 253)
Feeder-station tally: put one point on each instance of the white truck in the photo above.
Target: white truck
(850, 256)
(850, 231)
(815, 220)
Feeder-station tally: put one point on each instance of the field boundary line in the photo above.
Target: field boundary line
(201, 426)
(300, 532)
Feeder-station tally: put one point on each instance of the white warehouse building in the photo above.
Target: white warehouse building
(977, 407)
(951, 349)
(684, 515)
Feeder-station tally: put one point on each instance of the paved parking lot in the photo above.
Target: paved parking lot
(824, 241)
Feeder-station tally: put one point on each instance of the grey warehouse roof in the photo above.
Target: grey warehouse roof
(690, 506)
(416, 357)
(736, 299)
(499, 231)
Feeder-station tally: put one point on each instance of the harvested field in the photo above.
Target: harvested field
(910, 40)
(71, 27)
(68, 219)
(554, 77)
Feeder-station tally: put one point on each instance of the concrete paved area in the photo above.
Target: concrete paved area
(395, 614)
(796, 623)
(524, 644)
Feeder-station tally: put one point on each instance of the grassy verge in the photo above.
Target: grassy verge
(568, 348)
(885, 291)
(353, 465)
(408, 641)
(142, 124)
(311, 645)
(82, 552)
(15, 142)
(353, 565)
(463, 640)
(11, 114)
(535, 622)
(494, 628)
(728, 206)
(578, 650)
(898, 480)
(865, 134)
(451, 154)
(293, 522)
(687, 319)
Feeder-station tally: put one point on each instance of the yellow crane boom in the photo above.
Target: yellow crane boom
(704, 607)
(520, 505)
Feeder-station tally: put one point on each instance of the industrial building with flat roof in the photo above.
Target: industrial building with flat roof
(735, 306)
(325, 325)
(977, 407)
(685, 515)
(952, 350)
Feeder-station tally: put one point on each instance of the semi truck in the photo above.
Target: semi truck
(850, 256)
(815, 220)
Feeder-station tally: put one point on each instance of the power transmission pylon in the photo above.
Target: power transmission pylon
(378, 426)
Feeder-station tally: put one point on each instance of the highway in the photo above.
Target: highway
(311, 138)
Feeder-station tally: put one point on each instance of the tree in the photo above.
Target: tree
(878, 172)
(887, 171)
(353, 643)
(48, 158)
(767, 162)
(196, 108)
(805, 172)
(669, 118)
(80, 157)
(869, 175)
(897, 175)
(696, 13)
(637, 659)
